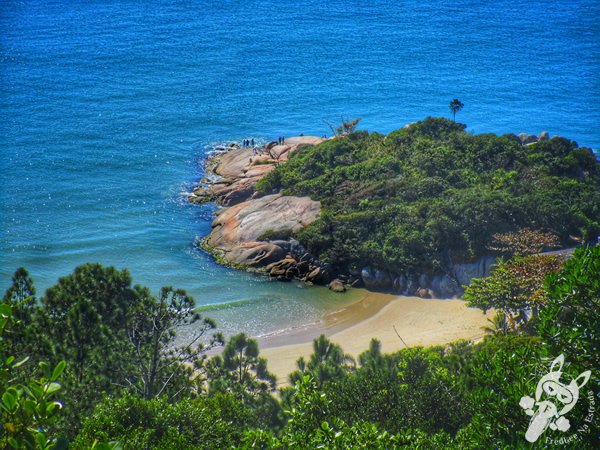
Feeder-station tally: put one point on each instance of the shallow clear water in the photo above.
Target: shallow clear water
(108, 107)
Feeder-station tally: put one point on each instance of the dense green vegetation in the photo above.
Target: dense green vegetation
(94, 363)
(431, 194)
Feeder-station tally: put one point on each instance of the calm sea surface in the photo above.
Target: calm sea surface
(107, 110)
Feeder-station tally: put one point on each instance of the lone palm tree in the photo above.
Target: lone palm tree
(455, 106)
(499, 324)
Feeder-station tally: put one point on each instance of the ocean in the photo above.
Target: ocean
(107, 110)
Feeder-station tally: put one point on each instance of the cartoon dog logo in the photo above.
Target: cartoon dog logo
(551, 395)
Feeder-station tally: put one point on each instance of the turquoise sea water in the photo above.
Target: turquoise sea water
(107, 108)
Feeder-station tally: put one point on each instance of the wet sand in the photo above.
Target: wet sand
(419, 322)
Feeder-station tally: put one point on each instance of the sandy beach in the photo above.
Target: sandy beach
(419, 322)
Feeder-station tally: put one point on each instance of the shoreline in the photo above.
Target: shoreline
(369, 304)
(420, 322)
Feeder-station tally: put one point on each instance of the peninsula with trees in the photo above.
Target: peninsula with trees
(418, 211)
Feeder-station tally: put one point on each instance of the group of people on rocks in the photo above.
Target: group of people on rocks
(248, 143)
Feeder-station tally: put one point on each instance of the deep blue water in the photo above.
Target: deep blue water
(108, 107)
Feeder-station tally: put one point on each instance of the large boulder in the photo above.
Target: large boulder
(237, 234)
(233, 163)
(249, 220)
(314, 275)
(304, 140)
(337, 286)
(254, 254)
(425, 293)
(527, 138)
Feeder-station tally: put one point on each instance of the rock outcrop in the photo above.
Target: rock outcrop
(271, 214)
(425, 285)
(248, 232)
(529, 139)
(238, 170)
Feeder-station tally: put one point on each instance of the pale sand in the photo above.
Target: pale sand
(420, 322)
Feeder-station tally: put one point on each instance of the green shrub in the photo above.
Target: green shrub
(275, 235)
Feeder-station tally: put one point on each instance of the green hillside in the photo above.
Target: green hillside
(432, 194)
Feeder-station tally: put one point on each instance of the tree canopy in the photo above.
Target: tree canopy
(430, 195)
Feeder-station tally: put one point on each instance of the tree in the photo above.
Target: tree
(500, 370)
(21, 297)
(455, 106)
(312, 426)
(408, 389)
(524, 242)
(346, 127)
(398, 202)
(143, 424)
(85, 319)
(159, 365)
(569, 321)
(28, 410)
(86, 316)
(21, 294)
(327, 362)
(240, 370)
(515, 288)
(499, 324)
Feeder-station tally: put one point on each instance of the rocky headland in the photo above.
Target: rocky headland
(412, 212)
(252, 231)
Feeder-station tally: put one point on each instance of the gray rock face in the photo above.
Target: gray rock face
(427, 286)
(399, 284)
(464, 273)
(412, 285)
(544, 136)
(423, 280)
(527, 138)
(375, 279)
(445, 287)
(292, 246)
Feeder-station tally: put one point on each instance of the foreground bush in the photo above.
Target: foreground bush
(137, 424)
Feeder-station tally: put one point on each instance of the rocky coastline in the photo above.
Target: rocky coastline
(252, 230)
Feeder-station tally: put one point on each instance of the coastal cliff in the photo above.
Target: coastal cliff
(413, 212)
